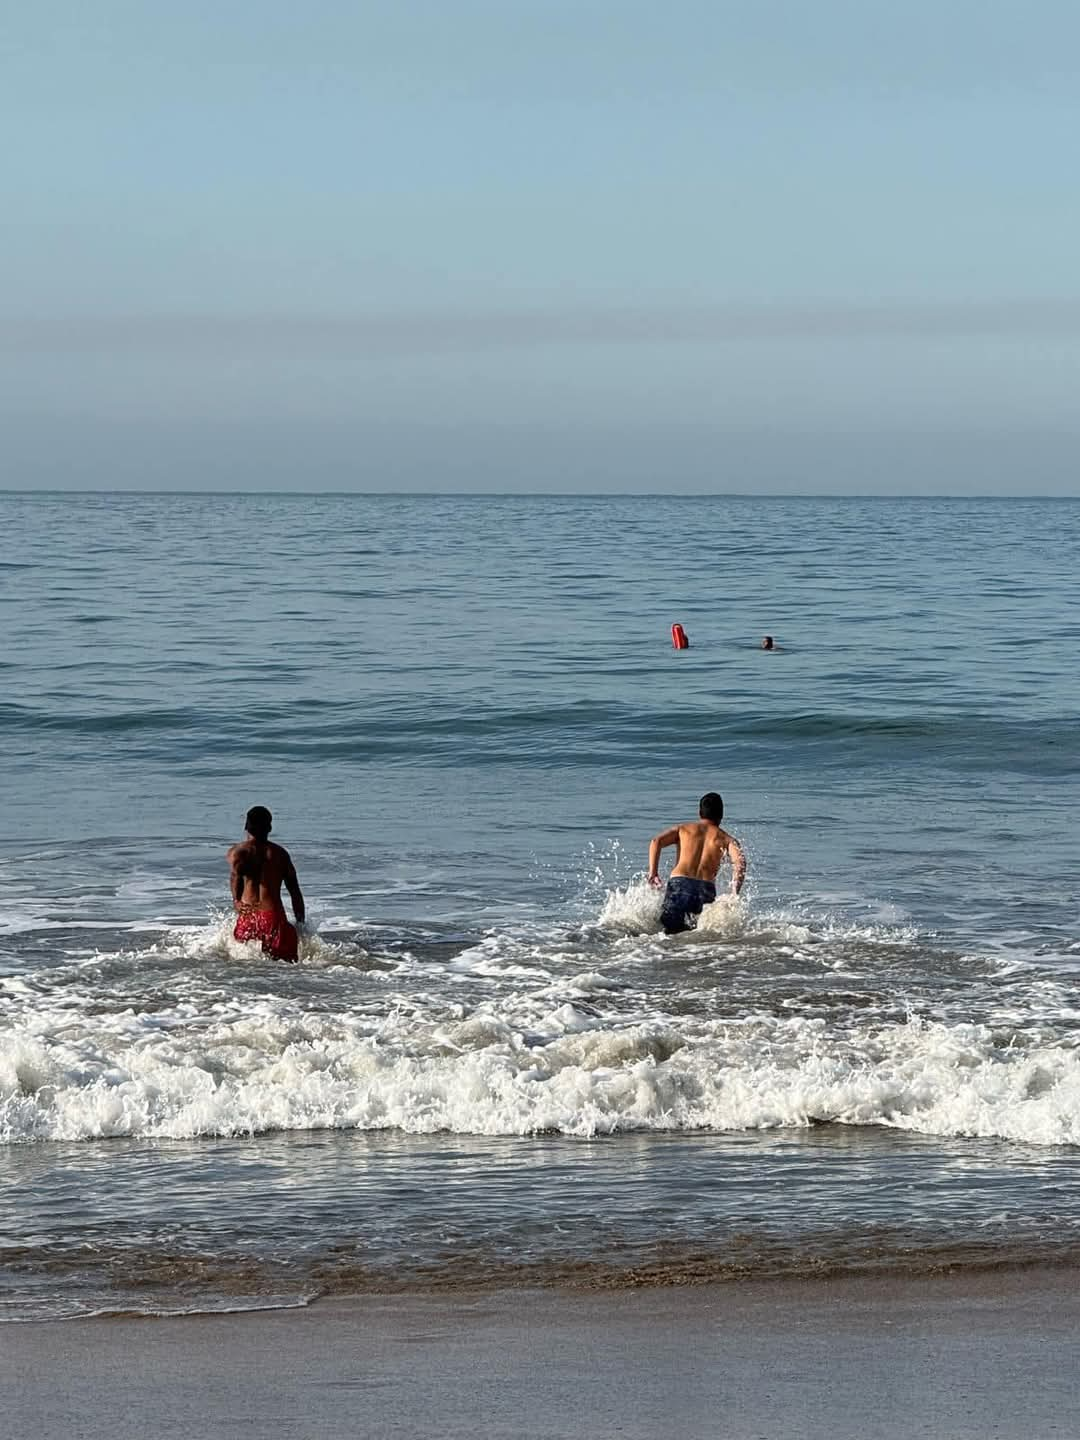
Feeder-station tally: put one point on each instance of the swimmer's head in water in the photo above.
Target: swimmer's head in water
(711, 807)
(258, 822)
(767, 643)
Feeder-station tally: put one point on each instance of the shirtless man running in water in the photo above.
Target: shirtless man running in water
(257, 870)
(700, 847)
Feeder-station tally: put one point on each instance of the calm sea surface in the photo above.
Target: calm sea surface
(491, 1067)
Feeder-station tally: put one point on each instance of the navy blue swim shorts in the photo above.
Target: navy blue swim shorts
(684, 900)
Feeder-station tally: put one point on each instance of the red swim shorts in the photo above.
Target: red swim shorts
(271, 927)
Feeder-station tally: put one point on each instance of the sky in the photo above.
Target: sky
(731, 246)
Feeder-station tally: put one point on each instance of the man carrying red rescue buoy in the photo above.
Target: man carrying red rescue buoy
(257, 870)
(701, 846)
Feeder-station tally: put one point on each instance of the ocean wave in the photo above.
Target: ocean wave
(758, 1020)
(575, 733)
(554, 1063)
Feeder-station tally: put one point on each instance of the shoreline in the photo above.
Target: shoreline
(938, 1355)
(580, 1281)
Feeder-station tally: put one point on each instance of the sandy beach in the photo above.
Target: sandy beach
(947, 1356)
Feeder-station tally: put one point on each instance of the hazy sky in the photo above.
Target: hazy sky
(772, 245)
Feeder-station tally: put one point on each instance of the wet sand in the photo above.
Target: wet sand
(945, 1357)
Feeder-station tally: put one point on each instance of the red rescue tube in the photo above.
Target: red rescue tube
(678, 638)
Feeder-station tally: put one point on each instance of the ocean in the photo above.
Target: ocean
(490, 1067)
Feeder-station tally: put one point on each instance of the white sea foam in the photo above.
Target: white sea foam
(532, 1028)
(531, 1062)
(216, 938)
(635, 909)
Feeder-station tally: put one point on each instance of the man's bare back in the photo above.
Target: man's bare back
(702, 847)
(256, 878)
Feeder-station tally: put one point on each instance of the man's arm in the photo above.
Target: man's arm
(292, 884)
(738, 864)
(656, 844)
(236, 875)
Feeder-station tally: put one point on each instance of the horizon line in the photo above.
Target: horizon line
(446, 329)
(544, 494)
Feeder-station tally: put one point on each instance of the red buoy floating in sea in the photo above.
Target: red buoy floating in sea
(678, 638)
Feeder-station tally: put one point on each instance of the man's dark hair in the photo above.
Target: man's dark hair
(258, 822)
(711, 807)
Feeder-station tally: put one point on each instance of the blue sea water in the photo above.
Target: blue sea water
(468, 719)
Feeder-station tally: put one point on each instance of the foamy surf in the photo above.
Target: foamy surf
(273, 1071)
(634, 909)
(216, 939)
(738, 1026)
